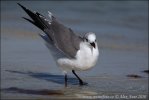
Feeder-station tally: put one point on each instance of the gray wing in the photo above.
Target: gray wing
(58, 35)
(65, 39)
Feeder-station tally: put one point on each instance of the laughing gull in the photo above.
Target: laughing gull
(71, 52)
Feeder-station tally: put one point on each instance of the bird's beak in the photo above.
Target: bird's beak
(93, 44)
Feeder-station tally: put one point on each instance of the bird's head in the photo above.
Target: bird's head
(90, 39)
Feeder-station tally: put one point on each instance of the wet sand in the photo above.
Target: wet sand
(28, 70)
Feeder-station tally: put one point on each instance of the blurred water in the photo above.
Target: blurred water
(121, 24)
(122, 32)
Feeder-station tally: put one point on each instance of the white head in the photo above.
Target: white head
(90, 39)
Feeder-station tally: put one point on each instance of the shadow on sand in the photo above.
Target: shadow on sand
(59, 79)
(35, 92)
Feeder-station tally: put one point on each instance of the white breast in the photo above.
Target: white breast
(85, 59)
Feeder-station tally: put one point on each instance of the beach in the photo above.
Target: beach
(29, 71)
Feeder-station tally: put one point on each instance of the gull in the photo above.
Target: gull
(70, 51)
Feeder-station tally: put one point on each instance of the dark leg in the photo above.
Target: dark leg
(65, 80)
(80, 81)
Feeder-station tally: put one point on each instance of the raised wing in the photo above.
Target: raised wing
(61, 37)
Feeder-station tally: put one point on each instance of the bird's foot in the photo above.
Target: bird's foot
(82, 83)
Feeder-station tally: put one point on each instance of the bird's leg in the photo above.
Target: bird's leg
(80, 81)
(65, 80)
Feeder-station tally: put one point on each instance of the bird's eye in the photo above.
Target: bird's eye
(87, 40)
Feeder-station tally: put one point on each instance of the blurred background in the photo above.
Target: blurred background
(122, 34)
(118, 24)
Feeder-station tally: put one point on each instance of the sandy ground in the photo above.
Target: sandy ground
(28, 71)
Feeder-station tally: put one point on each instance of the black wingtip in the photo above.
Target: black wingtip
(36, 19)
(21, 6)
(28, 19)
(32, 22)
